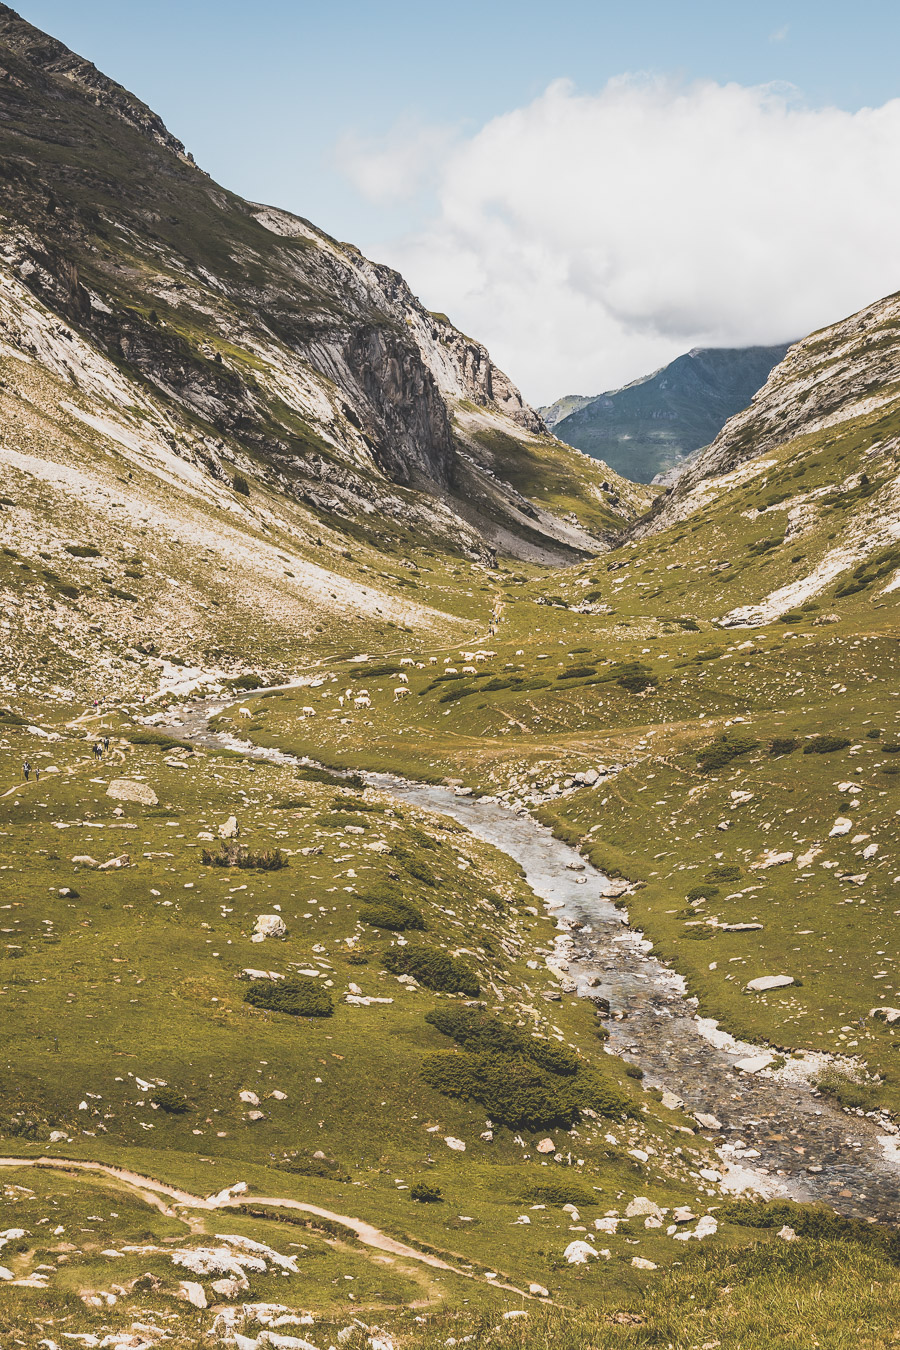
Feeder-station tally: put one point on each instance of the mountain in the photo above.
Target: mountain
(649, 427)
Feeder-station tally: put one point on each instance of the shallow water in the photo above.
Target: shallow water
(655, 1025)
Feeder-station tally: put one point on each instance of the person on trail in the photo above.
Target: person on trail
(105, 742)
(26, 769)
(37, 774)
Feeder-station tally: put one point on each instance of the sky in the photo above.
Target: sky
(590, 189)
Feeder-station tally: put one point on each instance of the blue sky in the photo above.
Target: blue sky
(370, 118)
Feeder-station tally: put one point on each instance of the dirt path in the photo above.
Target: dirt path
(152, 1192)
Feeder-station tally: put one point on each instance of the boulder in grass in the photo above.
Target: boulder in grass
(888, 1015)
(269, 926)
(579, 1253)
(763, 983)
(127, 790)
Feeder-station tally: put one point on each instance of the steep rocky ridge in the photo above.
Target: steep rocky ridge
(272, 346)
(648, 429)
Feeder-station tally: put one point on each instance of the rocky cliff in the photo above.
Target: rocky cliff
(271, 347)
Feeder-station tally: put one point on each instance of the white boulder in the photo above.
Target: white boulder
(127, 790)
(269, 926)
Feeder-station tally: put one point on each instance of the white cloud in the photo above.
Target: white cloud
(588, 239)
(398, 166)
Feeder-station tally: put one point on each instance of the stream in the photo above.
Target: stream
(770, 1128)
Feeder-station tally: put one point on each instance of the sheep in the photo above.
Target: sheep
(469, 670)
(432, 660)
(308, 712)
(341, 699)
(407, 661)
(451, 670)
(362, 702)
(400, 692)
(404, 679)
(244, 712)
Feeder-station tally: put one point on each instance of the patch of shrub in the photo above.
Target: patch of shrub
(634, 1071)
(336, 820)
(236, 855)
(83, 551)
(433, 968)
(783, 745)
(724, 749)
(298, 997)
(424, 1194)
(825, 745)
(577, 673)
(171, 1100)
(374, 672)
(891, 747)
(559, 1193)
(385, 906)
(764, 546)
(812, 1221)
(161, 739)
(291, 804)
(725, 872)
(302, 1163)
(240, 485)
(702, 893)
(245, 682)
(12, 719)
(702, 932)
(689, 625)
(837, 1087)
(309, 774)
(453, 695)
(875, 734)
(481, 1032)
(513, 1092)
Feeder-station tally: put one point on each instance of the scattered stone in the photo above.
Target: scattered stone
(787, 1233)
(641, 1263)
(127, 790)
(841, 826)
(741, 927)
(707, 1122)
(616, 887)
(771, 858)
(765, 982)
(671, 1101)
(248, 973)
(230, 830)
(608, 1224)
(269, 926)
(456, 1144)
(546, 1146)
(113, 864)
(539, 1291)
(193, 1292)
(889, 1015)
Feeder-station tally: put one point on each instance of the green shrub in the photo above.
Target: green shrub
(702, 893)
(559, 1193)
(236, 855)
(724, 872)
(512, 1091)
(12, 719)
(83, 550)
(825, 745)
(385, 906)
(891, 747)
(309, 774)
(374, 672)
(724, 749)
(577, 673)
(813, 1221)
(299, 997)
(240, 485)
(291, 804)
(158, 738)
(783, 745)
(336, 820)
(837, 1087)
(305, 1164)
(433, 968)
(171, 1100)
(425, 1194)
(483, 1033)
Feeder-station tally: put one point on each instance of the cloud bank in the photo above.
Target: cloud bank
(589, 239)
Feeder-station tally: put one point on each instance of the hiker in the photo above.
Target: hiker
(37, 774)
(105, 742)
(26, 769)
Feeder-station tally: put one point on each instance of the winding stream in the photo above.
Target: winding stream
(794, 1143)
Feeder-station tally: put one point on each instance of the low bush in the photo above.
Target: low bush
(813, 1221)
(559, 1193)
(336, 820)
(236, 855)
(783, 745)
(825, 745)
(161, 739)
(513, 1092)
(291, 804)
(170, 1099)
(837, 1087)
(304, 1164)
(83, 550)
(724, 749)
(891, 747)
(240, 485)
(433, 968)
(309, 774)
(425, 1194)
(299, 997)
(577, 673)
(702, 893)
(725, 872)
(483, 1033)
(373, 672)
(12, 719)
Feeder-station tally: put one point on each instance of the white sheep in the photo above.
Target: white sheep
(451, 670)
(244, 712)
(469, 670)
(432, 660)
(308, 712)
(401, 692)
(404, 679)
(362, 702)
(407, 661)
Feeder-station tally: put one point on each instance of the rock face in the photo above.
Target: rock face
(318, 369)
(127, 790)
(651, 427)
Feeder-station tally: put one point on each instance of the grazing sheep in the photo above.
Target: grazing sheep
(244, 712)
(407, 661)
(451, 670)
(362, 702)
(401, 692)
(404, 679)
(308, 712)
(469, 670)
(432, 660)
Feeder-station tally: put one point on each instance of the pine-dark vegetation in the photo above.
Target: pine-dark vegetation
(720, 752)
(170, 1099)
(425, 1194)
(784, 745)
(240, 485)
(433, 968)
(384, 905)
(559, 1193)
(298, 997)
(826, 745)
